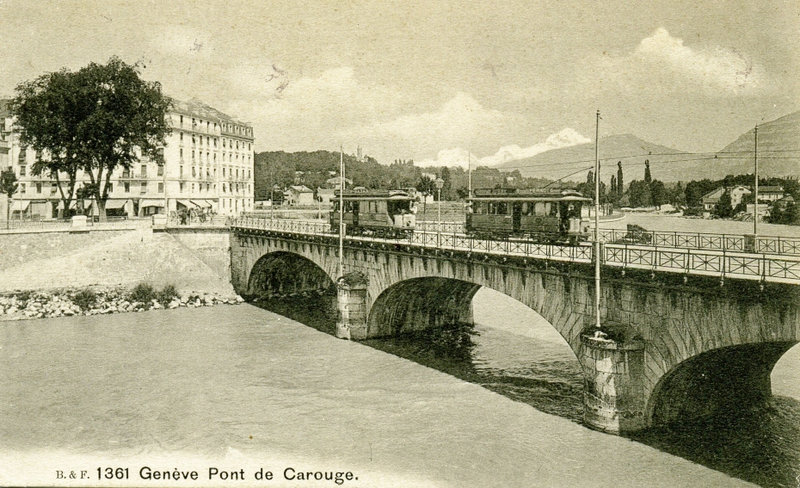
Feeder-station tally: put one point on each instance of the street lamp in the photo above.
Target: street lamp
(439, 184)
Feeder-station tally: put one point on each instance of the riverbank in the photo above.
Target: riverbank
(243, 388)
(42, 262)
(99, 301)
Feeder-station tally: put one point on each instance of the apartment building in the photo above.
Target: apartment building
(208, 166)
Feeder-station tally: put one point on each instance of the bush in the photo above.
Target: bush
(166, 295)
(24, 296)
(143, 293)
(84, 299)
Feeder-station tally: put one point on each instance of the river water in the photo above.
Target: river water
(513, 351)
(240, 387)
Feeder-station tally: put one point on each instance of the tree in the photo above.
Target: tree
(49, 115)
(426, 187)
(8, 186)
(620, 181)
(647, 177)
(723, 209)
(115, 118)
(658, 193)
(613, 194)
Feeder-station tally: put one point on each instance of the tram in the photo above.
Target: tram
(383, 213)
(549, 216)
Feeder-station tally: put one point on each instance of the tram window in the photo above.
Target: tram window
(553, 210)
(541, 208)
(502, 208)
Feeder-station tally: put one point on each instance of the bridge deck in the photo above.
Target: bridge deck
(729, 261)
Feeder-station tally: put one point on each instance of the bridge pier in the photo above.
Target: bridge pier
(614, 399)
(351, 297)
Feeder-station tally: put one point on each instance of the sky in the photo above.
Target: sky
(434, 80)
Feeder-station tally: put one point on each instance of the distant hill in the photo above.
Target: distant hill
(632, 151)
(778, 150)
(778, 143)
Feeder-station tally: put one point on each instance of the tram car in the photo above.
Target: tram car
(553, 216)
(375, 212)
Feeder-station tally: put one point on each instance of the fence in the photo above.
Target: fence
(709, 262)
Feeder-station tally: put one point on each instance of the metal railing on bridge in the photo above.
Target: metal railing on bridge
(722, 263)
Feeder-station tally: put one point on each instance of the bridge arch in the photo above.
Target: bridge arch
(282, 272)
(431, 301)
(713, 382)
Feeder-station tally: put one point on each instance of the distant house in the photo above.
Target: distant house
(711, 199)
(335, 182)
(297, 195)
(770, 193)
(325, 195)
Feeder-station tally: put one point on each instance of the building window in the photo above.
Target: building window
(182, 186)
(143, 188)
(53, 188)
(223, 172)
(181, 172)
(192, 187)
(194, 171)
(38, 188)
(22, 188)
(143, 170)
(181, 137)
(127, 187)
(110, 187)
(160, 187)
(160, 170)
(181, 120)
(126, 173)
(22, 170)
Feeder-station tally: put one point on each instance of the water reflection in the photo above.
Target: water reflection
(536, 367)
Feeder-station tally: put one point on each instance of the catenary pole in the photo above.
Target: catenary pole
(597, 221)
(341, 211)
(755, 199)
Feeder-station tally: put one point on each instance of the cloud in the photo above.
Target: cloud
(662, 60)
(458, 156)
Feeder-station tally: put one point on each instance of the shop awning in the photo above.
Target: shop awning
(186, 203)
(201, 203)
(72, 204)
(20, 205)
(151, 203)
(115, 204)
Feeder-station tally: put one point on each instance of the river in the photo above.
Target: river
(513, 351)
(243, 388)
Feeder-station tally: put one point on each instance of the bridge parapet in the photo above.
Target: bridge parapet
(721, 263)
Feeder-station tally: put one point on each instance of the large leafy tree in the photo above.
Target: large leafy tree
(48, 116)
(114, 118)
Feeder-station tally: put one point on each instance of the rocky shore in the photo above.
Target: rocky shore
(96, 301)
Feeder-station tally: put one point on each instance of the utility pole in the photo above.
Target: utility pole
(469, 175)
(755, 200)
(341, 211)
(597, 222)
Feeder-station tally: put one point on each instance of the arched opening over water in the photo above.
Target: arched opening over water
(286, 273)
(506, 347)
(716, 382)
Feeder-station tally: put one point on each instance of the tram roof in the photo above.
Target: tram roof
(375, 195)
(528, 195)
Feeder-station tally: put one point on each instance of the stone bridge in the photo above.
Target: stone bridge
(672, 348)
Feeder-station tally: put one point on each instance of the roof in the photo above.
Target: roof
(197, 108)
(335, 179)
(775, 189)
(714, 195)
(301, 189)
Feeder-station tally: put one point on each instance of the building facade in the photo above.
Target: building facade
(208, 168)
